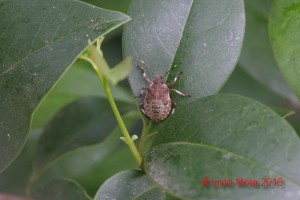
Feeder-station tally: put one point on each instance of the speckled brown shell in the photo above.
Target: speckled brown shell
(157, 104)
(157, 110)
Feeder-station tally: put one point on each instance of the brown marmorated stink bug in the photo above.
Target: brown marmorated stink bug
(157, 104)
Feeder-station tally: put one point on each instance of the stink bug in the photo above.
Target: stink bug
(157, 104)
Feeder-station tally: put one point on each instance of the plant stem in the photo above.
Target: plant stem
(96, 59)
(129, 140)
(144, 136)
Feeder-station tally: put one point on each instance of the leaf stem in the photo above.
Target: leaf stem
(145, 136)
(129, 140)
(95, 57)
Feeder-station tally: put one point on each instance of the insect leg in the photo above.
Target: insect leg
(144, 75)
(142, 108)
(173, 107)
(175, 79)
(180, 93)
(142, 92)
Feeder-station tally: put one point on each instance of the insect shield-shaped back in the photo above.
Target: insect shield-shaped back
(157, 104)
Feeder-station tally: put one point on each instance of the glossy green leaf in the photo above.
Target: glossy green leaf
(225, 137)
(116, 5)
(203, 38)
(284, 29)
(39, 40)
(84, 122)
(257, 57)
(61, 189)
(129, 185)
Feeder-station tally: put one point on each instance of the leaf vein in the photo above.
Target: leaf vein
(147, 190)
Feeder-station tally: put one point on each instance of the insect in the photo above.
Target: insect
(157, 104)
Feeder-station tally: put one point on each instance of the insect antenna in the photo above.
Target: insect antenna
(170, 70)
(142, 63)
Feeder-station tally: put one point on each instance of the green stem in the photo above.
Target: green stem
(128, 139)
(144, 137)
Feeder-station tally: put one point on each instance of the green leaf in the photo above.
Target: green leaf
(39, 40)
(114, 75)
(96, 56)
(284, 34)
(15, 178)
(70, 87)
(61, 189)
(203, 38)
(108, 157)
(129, 185)
(84, 122)
(118, 5)
(121, 71)
(225, 137)
(257, 57)
(241, 83)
